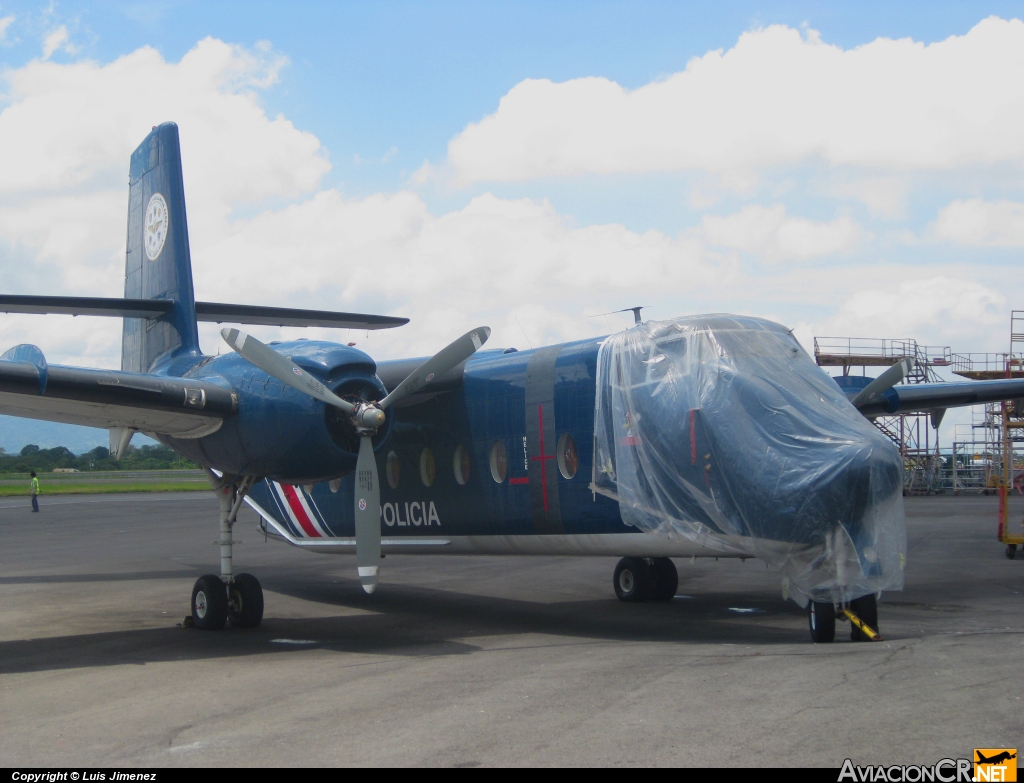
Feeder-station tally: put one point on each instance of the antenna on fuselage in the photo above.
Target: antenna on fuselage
(634, 310)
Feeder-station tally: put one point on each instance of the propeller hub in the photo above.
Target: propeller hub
(368, 418)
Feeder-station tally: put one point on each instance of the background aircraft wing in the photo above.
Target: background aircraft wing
(105, 398)
(938, 396)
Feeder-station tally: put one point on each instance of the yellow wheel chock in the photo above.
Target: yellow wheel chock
(863, 626)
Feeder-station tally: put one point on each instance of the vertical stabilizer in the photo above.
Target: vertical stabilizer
(158, 264)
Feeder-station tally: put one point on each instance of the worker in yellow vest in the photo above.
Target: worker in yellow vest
(33, 490)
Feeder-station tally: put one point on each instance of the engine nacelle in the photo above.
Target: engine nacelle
(279, 432)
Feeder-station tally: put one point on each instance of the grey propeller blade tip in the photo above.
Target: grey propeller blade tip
(449, 357)
(884, 382)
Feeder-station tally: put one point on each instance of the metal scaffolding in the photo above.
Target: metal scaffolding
(997, 436)
(914, 434)
(987, 456)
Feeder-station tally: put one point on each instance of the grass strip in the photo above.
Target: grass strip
(71, 488)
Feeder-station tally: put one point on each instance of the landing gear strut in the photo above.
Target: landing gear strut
(645, 579)
(238, 598)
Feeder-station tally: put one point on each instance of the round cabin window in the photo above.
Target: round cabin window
(460, 464)
(568, 457)
(427, 467)
(499, 461)
(393, 469)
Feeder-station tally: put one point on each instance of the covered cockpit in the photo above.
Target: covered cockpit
(722, 430)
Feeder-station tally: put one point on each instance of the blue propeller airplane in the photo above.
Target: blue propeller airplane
(705, 436)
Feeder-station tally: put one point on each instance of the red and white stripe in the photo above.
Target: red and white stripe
(294, 501)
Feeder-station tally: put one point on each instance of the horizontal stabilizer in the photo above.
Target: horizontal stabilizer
(86, 305)
(205, 311)
(288, 316)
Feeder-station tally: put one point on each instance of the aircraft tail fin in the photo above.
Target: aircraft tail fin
(157, 262)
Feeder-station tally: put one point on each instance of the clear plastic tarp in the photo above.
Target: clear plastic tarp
(722, 430)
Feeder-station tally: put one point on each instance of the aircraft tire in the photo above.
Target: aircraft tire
(666, 579)
(245, 607)
(821, 619)
(866, 608)
(209, 603)
(633, 580)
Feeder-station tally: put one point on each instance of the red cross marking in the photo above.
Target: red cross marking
(542, 457)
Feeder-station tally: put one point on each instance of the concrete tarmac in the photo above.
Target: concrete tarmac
(469, 661)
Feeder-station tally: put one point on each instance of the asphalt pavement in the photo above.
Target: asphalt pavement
(471, 661)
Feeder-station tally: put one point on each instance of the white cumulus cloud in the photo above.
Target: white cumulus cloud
(57, 40)
(777, 98)
(265, 231)
(483, 261)
(978, 222)
(775, 236)
(63, 202)
(55, 168)
(961, 313)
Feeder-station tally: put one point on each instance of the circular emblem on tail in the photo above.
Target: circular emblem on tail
(296, 370)
(154, 232)
(430, 377)
(362, 504)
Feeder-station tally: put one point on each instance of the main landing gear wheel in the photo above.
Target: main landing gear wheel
(245, 602)
(822, 621)
(866, 608)
(666, 579)
(633, 580)
(209, 603)
(1011, 551)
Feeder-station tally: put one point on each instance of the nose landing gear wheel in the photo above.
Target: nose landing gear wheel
(821, 618)
(633, 580)
(209, 603)
(245, 604)
(866, 608)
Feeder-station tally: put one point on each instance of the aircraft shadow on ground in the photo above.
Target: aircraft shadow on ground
(129, 576)
(417, 621)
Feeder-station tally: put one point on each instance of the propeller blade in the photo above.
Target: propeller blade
(282, 368)
(367, 498)
(884, 382)
(438, 364)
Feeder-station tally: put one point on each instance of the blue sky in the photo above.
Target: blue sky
(850, 169)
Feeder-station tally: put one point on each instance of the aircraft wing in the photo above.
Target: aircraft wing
(105, 398)
(938, 396)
